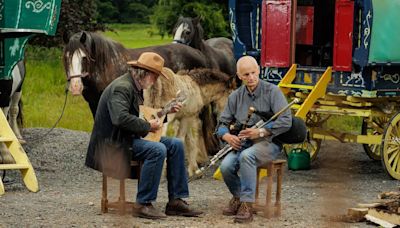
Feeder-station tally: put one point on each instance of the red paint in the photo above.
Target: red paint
(343, 40)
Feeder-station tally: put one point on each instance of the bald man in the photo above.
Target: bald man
(239, 167)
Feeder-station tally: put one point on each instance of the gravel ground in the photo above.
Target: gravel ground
(70, 193)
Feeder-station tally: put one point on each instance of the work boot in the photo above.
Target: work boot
(232, 208)
(148, 211)
(245, 213)
(181, 208)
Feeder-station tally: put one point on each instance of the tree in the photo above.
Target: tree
(75, 15)
(125, 11)
(213, 14)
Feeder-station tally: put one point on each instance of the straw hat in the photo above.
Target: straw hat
(150, 61)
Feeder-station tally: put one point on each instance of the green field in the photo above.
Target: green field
(45, 83)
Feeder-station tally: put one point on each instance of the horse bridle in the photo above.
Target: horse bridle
(181, 42)
(83, 75)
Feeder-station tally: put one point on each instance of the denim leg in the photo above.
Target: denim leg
(229, 169)
(153, 155)
(249, 159)
(176, 171)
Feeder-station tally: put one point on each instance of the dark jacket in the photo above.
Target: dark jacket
(116, 123)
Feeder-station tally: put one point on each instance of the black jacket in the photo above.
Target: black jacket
(116, 123)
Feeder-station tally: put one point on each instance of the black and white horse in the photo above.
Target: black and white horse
(219, 50)
(10, 96)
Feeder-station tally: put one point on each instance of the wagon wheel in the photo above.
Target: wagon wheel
(374, 127)
(390, 148)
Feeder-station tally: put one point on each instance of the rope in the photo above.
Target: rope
(55, 124)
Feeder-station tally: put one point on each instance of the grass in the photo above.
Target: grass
(136, 35)
(45, 82)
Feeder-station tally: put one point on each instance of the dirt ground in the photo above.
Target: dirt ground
(70, 193)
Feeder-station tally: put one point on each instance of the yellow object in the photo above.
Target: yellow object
(218, 175)
(22, 162)
(316, 91)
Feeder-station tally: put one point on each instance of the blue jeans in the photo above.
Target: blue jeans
(239, 168)
(153, 155)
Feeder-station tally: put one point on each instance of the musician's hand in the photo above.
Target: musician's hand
(176, 107)
(155, 125)
(232, 140)
(249, 133)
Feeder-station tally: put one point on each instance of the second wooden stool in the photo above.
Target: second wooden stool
(122, 206)
(273, 168)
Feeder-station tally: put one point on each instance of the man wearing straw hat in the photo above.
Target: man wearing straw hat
(117, 120)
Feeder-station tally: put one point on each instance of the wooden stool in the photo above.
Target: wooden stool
(273, 167)
(122, 206)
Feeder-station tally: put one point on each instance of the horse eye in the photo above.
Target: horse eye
(187, 32)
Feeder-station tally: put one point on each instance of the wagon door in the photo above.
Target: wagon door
(276, 33)
(343, 39)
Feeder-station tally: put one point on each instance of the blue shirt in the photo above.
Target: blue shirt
(267, 97)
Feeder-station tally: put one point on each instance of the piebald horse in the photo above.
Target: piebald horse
(10, 96)
(202, 87)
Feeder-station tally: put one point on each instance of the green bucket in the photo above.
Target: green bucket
(299, 159)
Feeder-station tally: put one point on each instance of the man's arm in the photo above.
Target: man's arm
(118, 106)
(284, 121)
(226, 117)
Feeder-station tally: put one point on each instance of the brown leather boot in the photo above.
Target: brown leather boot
(232, 208)
(147, 211)
(245, 213)
(181, 208)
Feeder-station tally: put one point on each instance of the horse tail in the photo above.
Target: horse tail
(209, 119)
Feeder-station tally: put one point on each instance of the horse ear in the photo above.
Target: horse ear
(83, 37)
(196, 20)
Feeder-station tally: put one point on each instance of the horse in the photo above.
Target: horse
(219, 50)
(10, 103)
(92, 61)
(202, 87)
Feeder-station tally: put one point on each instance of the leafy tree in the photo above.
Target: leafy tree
(125, 11)
(75, 15)
(107, 12)
(213, 14)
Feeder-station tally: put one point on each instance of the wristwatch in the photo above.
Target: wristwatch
(261, 132)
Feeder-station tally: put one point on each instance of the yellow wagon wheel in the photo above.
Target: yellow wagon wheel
(390, 148)
(375, 126)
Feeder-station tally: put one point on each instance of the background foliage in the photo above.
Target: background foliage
(94, 15)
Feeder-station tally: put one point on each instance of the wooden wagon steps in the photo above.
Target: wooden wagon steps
(384, 212)
(13, 157)
(316, 91)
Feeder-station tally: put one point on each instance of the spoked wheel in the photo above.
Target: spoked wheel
(374, 127)
(390, 147)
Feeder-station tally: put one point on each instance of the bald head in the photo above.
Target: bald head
(245, 62)
(248, 71)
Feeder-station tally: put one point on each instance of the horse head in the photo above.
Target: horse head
(77, 54)
(188, 31)
(94, 59)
